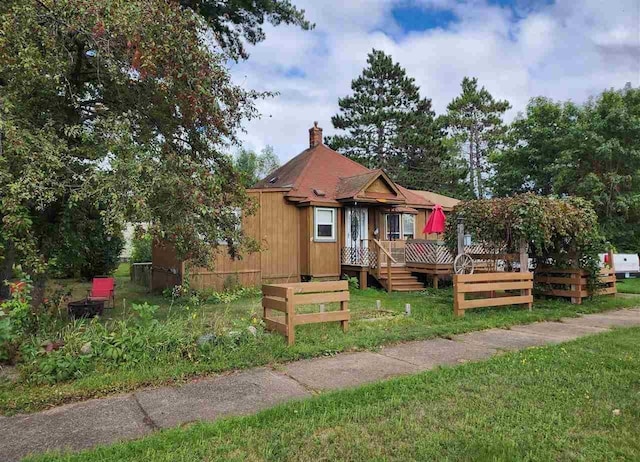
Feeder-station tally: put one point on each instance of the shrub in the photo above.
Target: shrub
(564, 231)
(141, 248)
(86, 247)
(354, 282)
(16, 317)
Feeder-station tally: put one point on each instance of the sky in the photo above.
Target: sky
(518, 49)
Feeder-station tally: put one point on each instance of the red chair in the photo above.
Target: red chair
(103, 289)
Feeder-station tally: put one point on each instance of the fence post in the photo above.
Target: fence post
(576, 286)
(524, 268)
(613, 270)
(456, 298)
(290, 317)
(344, 306)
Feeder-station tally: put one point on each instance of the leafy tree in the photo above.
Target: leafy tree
(122, 104)
(430, 163)
(254, 167)
(86, 248)
(390, 126)
(238, 20)
(535, 148)
(590, 151)
(475, 119)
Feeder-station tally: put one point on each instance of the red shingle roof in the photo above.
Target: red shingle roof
(324, 170)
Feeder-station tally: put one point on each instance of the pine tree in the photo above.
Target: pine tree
(475, 119)
(390, 126)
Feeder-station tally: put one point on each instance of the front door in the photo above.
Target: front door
(356, 235)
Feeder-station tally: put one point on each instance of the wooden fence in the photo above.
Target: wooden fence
(572, 283)
(491, 289)
(140, 274)
(284, 298)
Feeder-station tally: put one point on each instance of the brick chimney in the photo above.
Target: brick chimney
(315, 135)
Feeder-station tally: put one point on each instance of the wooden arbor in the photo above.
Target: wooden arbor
(284, 298)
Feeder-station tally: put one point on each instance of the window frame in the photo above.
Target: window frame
(316, 223)
(413, 230)
(387, 228)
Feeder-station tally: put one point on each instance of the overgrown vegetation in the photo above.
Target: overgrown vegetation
(157, 339)
(141, 247)
(97, 108)
(561, 232)
(575, 401)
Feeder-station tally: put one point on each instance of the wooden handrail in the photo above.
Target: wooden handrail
(391, 259)
(377, 242)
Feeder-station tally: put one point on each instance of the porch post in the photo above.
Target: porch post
(460, 236)
(363, 278)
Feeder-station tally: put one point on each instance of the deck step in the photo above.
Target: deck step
(402, 280)
(400, 277)
(416, 288)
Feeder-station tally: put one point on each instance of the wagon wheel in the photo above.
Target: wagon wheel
(463, 264)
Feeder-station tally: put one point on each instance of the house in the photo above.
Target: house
(319, 216)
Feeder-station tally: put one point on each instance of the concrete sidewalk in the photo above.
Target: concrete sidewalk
(86, 424)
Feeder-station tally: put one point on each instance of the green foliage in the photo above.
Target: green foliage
(86, 248)
(475, 120)
(16, 318)
(390, 126)
(242, 20)
(589, 151)
(96, 106)
(560, 230)
(253, 166)
(354, 282)
(222, 344)
(141, 248)
(84, 346)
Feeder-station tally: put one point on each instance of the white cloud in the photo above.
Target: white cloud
(569, 50)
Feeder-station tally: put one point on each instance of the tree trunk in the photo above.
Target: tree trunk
(39, 285)
(380, 146)
(6, 269)
(479, 170)
(472, 174)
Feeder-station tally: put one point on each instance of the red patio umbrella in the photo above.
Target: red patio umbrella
(436, 221)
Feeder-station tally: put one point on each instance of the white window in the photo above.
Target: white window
(408, 226)
(325, 225)
(400, 226)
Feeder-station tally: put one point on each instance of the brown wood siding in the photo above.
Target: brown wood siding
(306, 238)
(379, 186)
(280, 238)
(323, 259)
(275, 225)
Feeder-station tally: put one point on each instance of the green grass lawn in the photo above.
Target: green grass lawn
(431, 316)
(629, 286)
(122, 271)
(578, 401)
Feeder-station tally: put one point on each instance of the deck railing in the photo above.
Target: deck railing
(358, 256)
